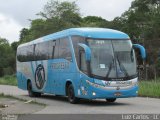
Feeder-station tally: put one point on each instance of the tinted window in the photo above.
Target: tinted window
(41, 51)
(83, 65)
(30, 53)
(25, 53)
(75, 41)
(51, 49)
(55, 53)
(64, 49)
(45, 50)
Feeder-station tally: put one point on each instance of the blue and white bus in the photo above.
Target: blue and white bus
(89, 63)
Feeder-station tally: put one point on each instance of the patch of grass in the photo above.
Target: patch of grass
(149, 88)
(8, 80)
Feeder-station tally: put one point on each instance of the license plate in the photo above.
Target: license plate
(117, 94)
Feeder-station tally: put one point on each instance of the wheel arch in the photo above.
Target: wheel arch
(68, 82)
(28, 81)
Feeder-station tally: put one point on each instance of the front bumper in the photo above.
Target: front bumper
(94, 91)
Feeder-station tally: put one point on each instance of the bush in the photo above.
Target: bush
(8, 71)
(8, 80)
(149, 88)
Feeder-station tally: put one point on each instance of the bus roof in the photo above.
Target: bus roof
(97, 33)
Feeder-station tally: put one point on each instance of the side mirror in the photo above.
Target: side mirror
(142, 50)
(87, 51)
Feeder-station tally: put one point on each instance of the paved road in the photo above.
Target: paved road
(60, 105)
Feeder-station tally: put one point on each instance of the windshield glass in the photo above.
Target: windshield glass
(112, 58)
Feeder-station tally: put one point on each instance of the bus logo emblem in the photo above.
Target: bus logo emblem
(118, 88)
(40, 76)
(108, 83)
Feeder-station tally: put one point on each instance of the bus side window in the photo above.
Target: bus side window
(64, 49)
(41, 51)
(55, 53)
(30, 55)
(75, 41)
(83, 65)
(19, 54)
(22, 54)
(51, 49)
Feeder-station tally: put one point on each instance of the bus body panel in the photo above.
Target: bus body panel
(104, 91)
(60, 71)
(24, 72)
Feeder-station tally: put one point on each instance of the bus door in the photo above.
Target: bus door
(64, 65)
(53, 66)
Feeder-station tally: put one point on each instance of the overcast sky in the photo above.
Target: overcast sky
(15, 14)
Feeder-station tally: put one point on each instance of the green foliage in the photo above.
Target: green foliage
(57, 9)
(14, 46)
(141, 21)
(7, 58)
(8, 80)
(56, 16)
(94, 21)
(149, 88)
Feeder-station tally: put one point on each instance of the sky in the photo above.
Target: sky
(15, 14)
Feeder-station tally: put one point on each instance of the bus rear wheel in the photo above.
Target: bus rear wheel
(30, 91)
(71, 95)
(111, 100)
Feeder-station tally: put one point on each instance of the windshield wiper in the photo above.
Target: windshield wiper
(110, 67)
(122, 68)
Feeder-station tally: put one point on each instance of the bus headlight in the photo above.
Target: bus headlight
(93, 93)
(94, 84)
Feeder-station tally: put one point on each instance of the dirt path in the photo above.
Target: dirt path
(15, 106)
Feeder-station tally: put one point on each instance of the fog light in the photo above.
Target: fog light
(93, 93)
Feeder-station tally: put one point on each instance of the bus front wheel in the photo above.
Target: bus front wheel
(71, 95)
(111, 100)
(30, 91)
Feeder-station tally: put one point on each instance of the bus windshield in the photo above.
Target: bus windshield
(112, 59)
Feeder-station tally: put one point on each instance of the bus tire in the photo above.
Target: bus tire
(30, 91)
(111, 100)
(37, 94)
(71, 95)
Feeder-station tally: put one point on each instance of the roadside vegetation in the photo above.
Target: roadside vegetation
(8, 80)
(150, 88)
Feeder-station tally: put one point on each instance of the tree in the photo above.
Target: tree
(65, 12)
(3, 41)
(56, 9)
(94, 21)
(56, 16)
(14, 46)
(7, 58)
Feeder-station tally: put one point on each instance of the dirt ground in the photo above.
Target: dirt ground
(15, 106)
